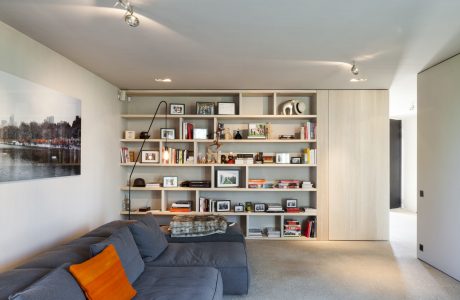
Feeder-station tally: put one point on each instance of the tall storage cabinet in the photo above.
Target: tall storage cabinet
(358, 165)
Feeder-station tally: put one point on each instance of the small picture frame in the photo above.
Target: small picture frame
(130, 135)
(296, 160)
(259, 207)
(168, 133)
(256, 131)
(150, 156)
(176, 109)
(200, 133)
(239, 208)
(223, 205)
(226, 108)
(227, 178)
(291, 203)
(170, 181)
(282, 158)
(205, 108)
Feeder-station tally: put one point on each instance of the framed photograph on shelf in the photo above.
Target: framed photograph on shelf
(239, 208)
(228, 178)
(200, 133)
(296, 160)
(226, 108)
(168, 133)
(176, 109)
(223, 205)
(259, 207)
(291, 203)
(170, 181)
(205, 108)
(282, 158)
(150, 156)
(256, 131)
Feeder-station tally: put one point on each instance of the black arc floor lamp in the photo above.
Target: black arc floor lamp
(147, 136)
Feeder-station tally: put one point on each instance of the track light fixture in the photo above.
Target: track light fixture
(130, 18)
(354, 69)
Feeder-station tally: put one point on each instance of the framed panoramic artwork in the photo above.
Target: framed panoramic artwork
(40, 131)
(228, 178)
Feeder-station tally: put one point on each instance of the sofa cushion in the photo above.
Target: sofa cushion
(86, 241)
(233, 234)
(107, 229)
(149, 238)
(58, 256)
(229, 258)
(179, 283)
(58, 284)
(127, 250)
(103, 276)
(18, 279)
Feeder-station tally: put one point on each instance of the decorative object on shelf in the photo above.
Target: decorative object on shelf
(223, 159)
(144, 135)
(296, 160)
(170, 181)
(259, 207)
(293, 106)
(200, 133)
(239, 207)
(130, 134)
(227, 134)
(286, 137)
(259, 158)
(168, 133)
(291, 203)
(256, 131)
(138, 182)
(282, 158)
(268, 131)
(231, 159)
(165, 153)
(176, 109)
(198, 183)
(268, 158)
(228, 178)
(131, 156)
(223, 205)
(226, 108)
(238, 135)
(149, 156)
(205, 108)
(220, 130)
(144, 209)
(248, 206)
(201, 158)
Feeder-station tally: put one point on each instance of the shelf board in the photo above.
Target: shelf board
(302, 238)
(185, 189)
(220, 141)
(236, 117)
(221, 165)
(313, 212)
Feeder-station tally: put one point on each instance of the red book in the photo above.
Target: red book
(308, 229)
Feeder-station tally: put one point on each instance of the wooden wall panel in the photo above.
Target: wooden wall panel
(322, 102)
(358, 165)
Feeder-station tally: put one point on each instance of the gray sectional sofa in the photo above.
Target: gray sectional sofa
(175, 268)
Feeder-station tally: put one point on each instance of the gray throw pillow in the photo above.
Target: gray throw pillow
(124, 243)
(57, 285)
(149, 238)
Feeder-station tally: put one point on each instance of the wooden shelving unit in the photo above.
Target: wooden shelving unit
(251, 107)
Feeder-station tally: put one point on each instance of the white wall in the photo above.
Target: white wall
(439, 166)
(409, 162)
(35, 215)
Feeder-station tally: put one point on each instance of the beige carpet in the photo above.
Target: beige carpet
(347, 270)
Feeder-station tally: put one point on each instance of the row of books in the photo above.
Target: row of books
(181, 206)
(124, 155)
(187, 131)
(309, 156)
(293, 228)
(309, 131)
(177, 156)
(281, 184)
(207, 205)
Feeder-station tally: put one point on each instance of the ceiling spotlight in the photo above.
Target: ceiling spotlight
(163, 80)
(354, 69)
(130, 19)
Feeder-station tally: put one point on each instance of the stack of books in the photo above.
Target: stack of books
(272, 232)
(124, 155)
(256, 183)
(274, 208)
(292, 209)
(292, 228)
(310, 229)
(309, 156)
(181, 206)
(153, 185)
(255, 232)
(288, 184)
(307, 185)
(309, 131)
(187, 131)
(244, 159)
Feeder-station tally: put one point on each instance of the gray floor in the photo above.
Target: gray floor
(347, 270)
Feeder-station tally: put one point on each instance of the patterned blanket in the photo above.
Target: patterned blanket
(195, 225)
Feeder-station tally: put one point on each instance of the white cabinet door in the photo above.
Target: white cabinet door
(358, 165)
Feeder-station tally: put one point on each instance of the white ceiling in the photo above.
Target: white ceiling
(251, 44)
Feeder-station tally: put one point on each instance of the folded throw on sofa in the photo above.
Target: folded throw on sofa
(188, 225)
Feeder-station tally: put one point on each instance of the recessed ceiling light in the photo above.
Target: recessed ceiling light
(163, 80)
(358, 79)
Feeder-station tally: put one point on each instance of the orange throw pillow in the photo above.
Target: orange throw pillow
(103, 277)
